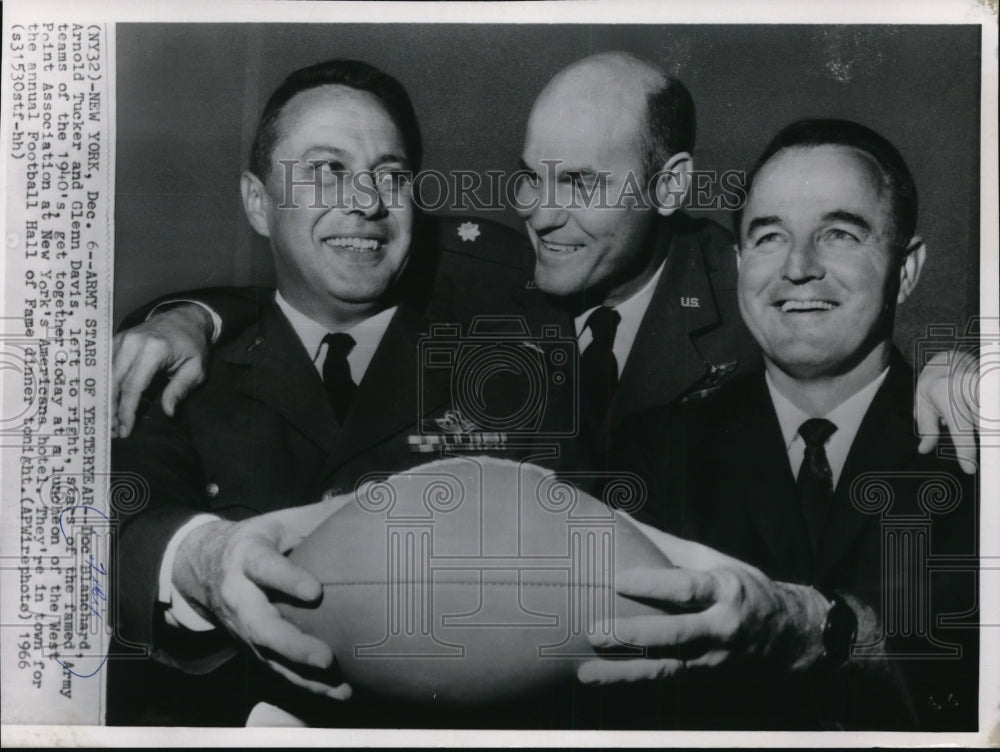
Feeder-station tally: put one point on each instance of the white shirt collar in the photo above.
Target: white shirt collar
(367, 336)
(631, 312)
(847, 417)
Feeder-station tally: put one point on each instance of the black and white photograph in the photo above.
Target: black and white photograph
(501, 375)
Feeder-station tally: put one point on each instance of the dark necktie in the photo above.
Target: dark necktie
(598, 376)
(815, 479)
(337, 373)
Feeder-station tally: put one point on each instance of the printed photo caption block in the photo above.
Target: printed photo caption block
(54, 364)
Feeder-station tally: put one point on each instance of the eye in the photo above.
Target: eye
(330, 166)
(527, 179)
(767, 239)
(390, 177)
(329, 170)
(840, 236)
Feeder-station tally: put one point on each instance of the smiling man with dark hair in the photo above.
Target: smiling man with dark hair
(303, 402)
(809, 475)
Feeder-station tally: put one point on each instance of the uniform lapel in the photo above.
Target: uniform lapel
(276, 370)
(884, 440)
(664, 361)
(394, 392)
(756, 474)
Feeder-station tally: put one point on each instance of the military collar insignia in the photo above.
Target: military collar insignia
(711, 382)
(468, 232)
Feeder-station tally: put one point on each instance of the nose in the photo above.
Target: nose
(363, 197)
(544, 219)
(803, 262)
(530, 203)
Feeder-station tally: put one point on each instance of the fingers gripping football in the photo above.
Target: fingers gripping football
(711, 617)
(227, 569)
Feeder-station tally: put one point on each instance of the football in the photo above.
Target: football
(469, 581)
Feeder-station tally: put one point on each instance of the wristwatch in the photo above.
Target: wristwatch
(839, 631)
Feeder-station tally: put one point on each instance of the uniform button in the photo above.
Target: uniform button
(212, 489)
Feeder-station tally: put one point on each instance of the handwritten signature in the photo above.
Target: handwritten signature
(97, 603)
(97, 597)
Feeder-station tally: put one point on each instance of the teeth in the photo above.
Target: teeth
(355, 244)
(806, 305)
(561, 247)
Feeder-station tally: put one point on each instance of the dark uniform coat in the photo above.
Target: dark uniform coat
(260, 434)
(901, 537)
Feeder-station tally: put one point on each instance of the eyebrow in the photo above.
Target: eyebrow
(757, 222)
(837, 215)
(582, 172)
(841, 215)
(585, 171)
(313, 151)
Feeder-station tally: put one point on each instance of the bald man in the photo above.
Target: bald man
(650, 290)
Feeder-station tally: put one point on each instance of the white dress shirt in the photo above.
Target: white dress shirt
(847, 417)
(367, 336)
(631, 312)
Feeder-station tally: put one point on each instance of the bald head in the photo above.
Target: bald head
(614, 81)
(650, 109)
(605, 153)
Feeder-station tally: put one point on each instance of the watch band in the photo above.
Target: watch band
(839, 631)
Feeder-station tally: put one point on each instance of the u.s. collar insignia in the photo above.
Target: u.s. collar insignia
(468, 231)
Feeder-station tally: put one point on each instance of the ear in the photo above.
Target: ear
(256, 203)
(739, 257)
(909, 271)
(671, 183)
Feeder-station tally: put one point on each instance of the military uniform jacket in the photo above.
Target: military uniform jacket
(901, 537)
(691, 339)
(260, 434)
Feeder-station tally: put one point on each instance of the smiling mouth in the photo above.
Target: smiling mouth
(355, 244)
(805, 306)
(561, 249)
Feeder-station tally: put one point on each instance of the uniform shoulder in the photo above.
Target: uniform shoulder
(701, 411)
(729, 402)
(474, 241)
(717, 247)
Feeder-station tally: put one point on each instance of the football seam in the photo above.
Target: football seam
(464, 582)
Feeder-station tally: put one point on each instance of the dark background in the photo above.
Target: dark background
(189, 95)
